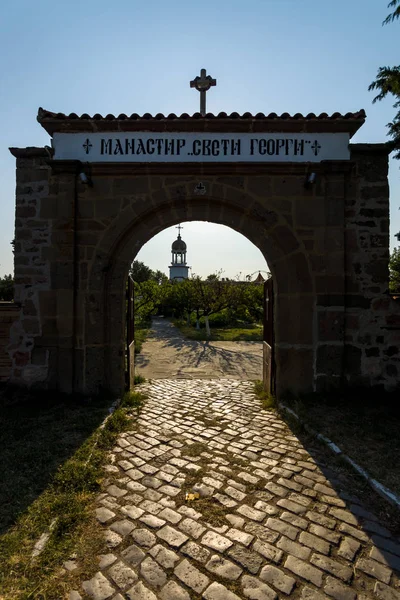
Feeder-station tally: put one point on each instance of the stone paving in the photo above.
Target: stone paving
(272, 521)
(167, 354)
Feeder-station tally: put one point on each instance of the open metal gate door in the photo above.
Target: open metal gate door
(269, 342)
(130, 334)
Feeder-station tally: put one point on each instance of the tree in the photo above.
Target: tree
(214, 295)
(147, 298)
(388, 82)
(395, 14)
(140, 272)
(394, 270)
(7, 288)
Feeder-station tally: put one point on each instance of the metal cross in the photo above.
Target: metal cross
(202, 85)
(179, 228)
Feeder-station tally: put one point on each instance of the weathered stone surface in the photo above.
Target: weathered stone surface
(140, 592)
(247, 558)
(98, 588)
(268, 551)
(195, 551)
(172, 536)
(173, 591)
(223, 568)
(167, 558)
(332, 566)
(216, 541)
(191, 576)
(152, 573)
(143, 538)
(122, 527)
(133, 555)
(278, 579)
(254, 589)
(216, 591)
(239, 536)
(104, 515)
(309, 594)
(374, 569)
(105, 560)
(122, 575)
(305, 570)
(338, 590)
(384, 592)
(348, 548)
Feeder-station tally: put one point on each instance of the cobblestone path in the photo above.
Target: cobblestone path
(272, 521)
(167, 354)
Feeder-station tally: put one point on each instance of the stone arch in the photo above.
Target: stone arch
(104, 314)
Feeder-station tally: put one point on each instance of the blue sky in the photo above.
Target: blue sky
(134, 56)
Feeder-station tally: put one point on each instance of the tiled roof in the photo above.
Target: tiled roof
(53, 122)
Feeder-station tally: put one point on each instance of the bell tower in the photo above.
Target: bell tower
(178, 269)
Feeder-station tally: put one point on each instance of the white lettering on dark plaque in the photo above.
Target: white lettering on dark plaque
(201, 147)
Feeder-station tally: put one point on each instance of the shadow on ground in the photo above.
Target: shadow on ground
(38, 433)
(219, 356)
(354, 503)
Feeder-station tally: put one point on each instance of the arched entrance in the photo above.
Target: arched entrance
(80, 224)
(268, 232)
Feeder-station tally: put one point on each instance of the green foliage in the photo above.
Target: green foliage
(138, 379)
(394, 270)
(395, 14)
(7, 288)
(134, 399)
(251, 333)
(268, 401)
(388, 82)
(211, 301)
(141, 272)
(216, 302)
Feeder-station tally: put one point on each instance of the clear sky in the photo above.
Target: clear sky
(135, 56)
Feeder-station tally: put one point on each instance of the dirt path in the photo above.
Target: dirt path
(167, 354)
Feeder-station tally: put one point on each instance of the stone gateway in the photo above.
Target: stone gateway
(319, 213)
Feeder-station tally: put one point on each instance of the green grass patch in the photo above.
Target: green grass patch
(133, 400)
(52, 456)
(142, 329)
(250, 333)
(138, 379)
(268, 401)
(363, 423)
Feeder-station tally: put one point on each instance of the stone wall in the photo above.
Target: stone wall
(372, 327)
(326, 245)
(30, 362)
(9, 313)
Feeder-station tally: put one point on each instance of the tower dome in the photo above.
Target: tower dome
(179, 268)
(179, 245)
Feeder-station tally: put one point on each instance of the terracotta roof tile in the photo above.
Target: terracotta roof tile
(53, 122)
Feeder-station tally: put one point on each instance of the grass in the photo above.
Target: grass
(251, 333)
(138, 379)
(268, 401)
(141, 332)
(364, 424)
(52, 455)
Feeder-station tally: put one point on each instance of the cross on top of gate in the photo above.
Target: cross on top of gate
(202, 85)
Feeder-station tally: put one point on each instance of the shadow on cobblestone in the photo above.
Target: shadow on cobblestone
(291, 520)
